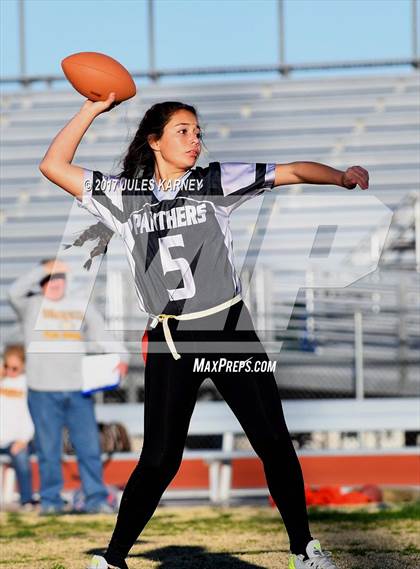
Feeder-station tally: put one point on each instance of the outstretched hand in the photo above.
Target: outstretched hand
(98, 107)
(122, 369)
(356, 175)
(17, 447)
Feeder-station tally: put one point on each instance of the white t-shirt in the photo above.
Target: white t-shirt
(15, 419)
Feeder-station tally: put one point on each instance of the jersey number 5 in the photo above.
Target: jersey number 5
(178, 264)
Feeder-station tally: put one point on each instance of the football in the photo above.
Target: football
(95, 75)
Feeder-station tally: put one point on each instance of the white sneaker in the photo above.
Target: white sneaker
(98, 562)
(317, 559)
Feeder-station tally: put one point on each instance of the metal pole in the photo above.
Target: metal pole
(415, 37)
(310, 306)
(225, 480)
(22, 47)
(402, 334)
(260, 301)
(151, 23)
(417, 233)
(280, 5)
(358, 355)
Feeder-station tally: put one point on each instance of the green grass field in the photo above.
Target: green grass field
(205, 537)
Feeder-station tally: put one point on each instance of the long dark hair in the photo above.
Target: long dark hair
(138, 161)
(139, 157)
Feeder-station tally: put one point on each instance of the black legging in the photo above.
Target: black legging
(170, 394)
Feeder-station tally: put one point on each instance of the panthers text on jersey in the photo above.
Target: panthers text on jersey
(178, 241)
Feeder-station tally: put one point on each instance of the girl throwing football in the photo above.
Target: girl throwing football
(173, 218)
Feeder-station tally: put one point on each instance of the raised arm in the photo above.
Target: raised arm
(56, 164)
(316, 173)
(29, 282)
(24, 285)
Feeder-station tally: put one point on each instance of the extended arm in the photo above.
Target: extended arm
(316, 173)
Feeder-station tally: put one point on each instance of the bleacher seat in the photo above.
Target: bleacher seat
(368, 120)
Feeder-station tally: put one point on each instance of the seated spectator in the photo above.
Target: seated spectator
(16, 427)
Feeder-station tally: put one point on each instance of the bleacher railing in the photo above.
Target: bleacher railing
(284, 70)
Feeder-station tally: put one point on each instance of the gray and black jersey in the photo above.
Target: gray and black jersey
(178, 242)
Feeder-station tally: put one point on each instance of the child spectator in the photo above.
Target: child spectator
(16, 427)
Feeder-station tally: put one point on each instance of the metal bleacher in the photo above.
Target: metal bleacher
(372, 121)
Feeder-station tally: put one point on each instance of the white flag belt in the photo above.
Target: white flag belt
(164, 318)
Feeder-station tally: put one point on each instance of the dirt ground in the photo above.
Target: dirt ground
(205, 537)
